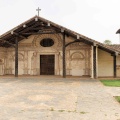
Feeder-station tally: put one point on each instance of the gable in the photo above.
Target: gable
(37, 26)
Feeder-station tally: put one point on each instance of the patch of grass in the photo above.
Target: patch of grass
(61, 110)
(75, 111)
(83, 112)
(64, 111)
(51, 109)
(22, 110)
(117, 98)
(70, 111)
(112, 83)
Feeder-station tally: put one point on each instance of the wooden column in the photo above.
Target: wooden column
(16, 57)
(94, 62)
(114, 65)
(64, 61)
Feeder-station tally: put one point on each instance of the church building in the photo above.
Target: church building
(40, 47)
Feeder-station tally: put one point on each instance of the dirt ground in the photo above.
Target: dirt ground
(56, 99)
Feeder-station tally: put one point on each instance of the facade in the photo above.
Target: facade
(41, 47)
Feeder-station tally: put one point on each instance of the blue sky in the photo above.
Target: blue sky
(97, 19)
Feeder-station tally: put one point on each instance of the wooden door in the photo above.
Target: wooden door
(47, 63)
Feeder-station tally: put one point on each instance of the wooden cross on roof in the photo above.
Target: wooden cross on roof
(38, 10)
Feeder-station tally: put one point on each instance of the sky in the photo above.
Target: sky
(96, 19)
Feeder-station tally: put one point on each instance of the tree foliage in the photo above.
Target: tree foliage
(107, 42)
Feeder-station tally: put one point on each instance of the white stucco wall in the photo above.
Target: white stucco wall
(118, 66)
(105, 64)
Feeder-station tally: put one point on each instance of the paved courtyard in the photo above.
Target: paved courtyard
(57, 99)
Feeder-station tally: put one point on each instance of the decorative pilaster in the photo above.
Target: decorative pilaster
(86, 65)
(16, 57)
(25, 62)
(92, 62)
(96, 61)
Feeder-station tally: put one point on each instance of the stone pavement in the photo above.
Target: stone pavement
(56, 99)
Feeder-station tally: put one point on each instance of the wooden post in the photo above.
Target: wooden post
(94, 62)
(16, 57)
(64, 62)
(114, 65)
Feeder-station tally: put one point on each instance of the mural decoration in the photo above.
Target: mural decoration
(33, 64)
(55, 37)
(77, 56)
(77, 60)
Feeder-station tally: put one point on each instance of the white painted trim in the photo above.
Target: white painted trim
(92, 76)
(97, 61)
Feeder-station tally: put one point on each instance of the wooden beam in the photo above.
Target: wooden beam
(78, 40)
(16, 57)
(37, 26)
(94, 62)
(18, 35)
(37, 33)
(27, 28)
(5, 41)
(72, 42)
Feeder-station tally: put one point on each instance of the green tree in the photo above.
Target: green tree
(107, 42)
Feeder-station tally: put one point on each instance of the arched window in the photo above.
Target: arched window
(47, 42)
